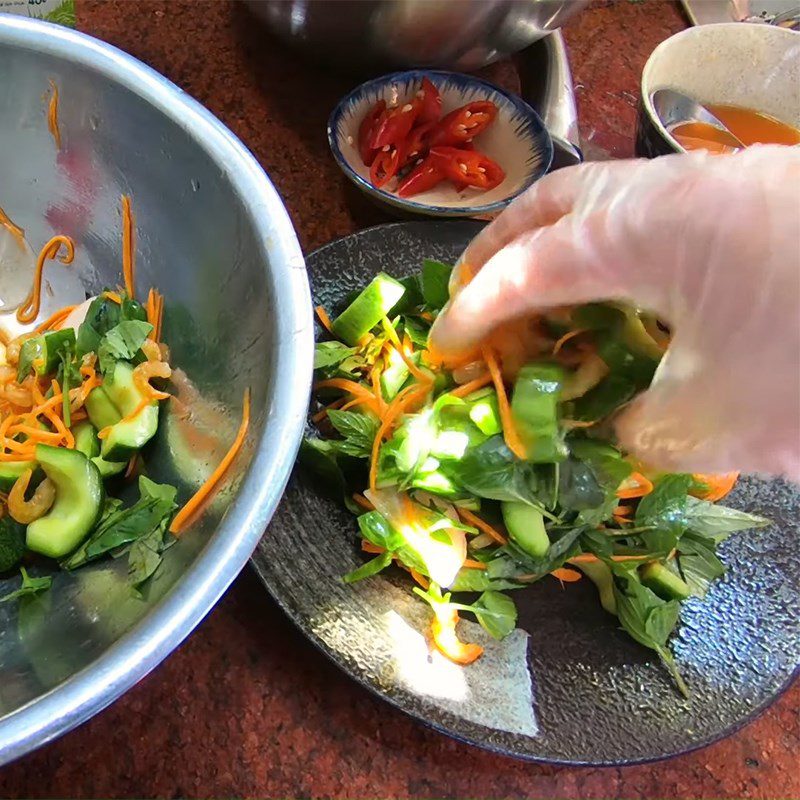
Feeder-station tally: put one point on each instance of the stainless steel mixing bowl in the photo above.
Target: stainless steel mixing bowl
(461, 35)
(214, 237)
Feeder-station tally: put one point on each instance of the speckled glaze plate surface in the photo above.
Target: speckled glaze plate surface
(567, 686)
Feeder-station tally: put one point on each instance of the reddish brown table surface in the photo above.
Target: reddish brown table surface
(246, 707)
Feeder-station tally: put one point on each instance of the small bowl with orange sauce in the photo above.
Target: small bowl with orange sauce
(747, 75)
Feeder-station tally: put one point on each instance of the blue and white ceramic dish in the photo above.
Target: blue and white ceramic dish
(517, 140)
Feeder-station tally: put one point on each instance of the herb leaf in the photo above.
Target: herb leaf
(331, 354)
(29, 586)
(718, 522)
(435, 283)
(664, 509)
(122, 342)
(501, 618)
(698, 563)
(358, 431)
(372, 567)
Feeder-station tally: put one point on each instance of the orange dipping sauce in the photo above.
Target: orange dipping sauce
(751, 127)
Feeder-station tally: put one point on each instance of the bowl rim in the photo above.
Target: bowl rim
(187, 602)
(646, 91)
(429, 209)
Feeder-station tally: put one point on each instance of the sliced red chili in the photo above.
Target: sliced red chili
(366, 132)
(416, 145)
(384, 167)
(431, 102)
(423, 177)
(396, 124)
(469, 167)
(464, 123)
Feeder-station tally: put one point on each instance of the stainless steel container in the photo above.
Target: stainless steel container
(214, 237)
(446, 34)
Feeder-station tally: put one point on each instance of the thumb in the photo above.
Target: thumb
(573, 261)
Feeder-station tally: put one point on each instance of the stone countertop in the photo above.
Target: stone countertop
(246, 707)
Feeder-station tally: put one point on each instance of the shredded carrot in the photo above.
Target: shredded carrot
(635, 485)
(368, 547)
(571, 424)
(17, 232)
(509, 430)
(480, 524)
(155, 309)
(356, 389)
(128, 247)
(375, 379)
(363, 502)
(320, 415)
(471, 564)
(396, 408)
(28, 455)
(443, 629)
(427, 316)
(718, 485)
(565, 338)
(395, 340)
(29, 309)
(325, 320)
(590, 558)
(53, 322)
(473, 386)
(131, 468)
(196, 501)
(114, 297)
(420, 579)
(566, 575)
(104, 433)
(52, 115)
(622, 511)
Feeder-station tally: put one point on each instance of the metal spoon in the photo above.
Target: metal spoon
(674, 108)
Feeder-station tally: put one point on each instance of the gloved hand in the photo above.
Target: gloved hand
(709, 243)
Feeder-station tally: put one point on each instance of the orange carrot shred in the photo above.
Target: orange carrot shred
(29, 309)
(635, 485)
(480, 524)
(566, 575)
(395, 340)
(52, 115)
(472, 386)
(55, 319)
(128, 247)
(363, 502)
(195, 502)
(509, 430)
(114, 297)
(420, 579)
(368, 547)
(471, 564)
(17, 232)
(443, 629)
(565, 338)
(718, 485)
(325, 320)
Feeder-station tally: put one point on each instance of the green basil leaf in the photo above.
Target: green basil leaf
(496, 613)
(665, 507)
(29, 586)
(369, 569)
(122, 343)
(331, 354)
(358, 431)
(698, 562)
(435, 283)
(719, 522)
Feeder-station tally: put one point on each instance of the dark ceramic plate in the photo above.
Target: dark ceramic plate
(567, 686)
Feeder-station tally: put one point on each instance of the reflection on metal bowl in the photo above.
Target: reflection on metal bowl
(215, 239)
(460, 35)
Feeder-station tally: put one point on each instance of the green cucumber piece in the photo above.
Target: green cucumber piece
(86, 442)
(43, 352)
(484, 411)
(128, 435)
(600, 575)
(525, 526)
(664, 582)
(78, 503)
(366, 311)
(394, 376)
(11, 470)
(102, 412)
(534, 407)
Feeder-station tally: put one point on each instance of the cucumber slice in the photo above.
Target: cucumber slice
(484, 411)
(600, 575)
(11, 470)
(365, 312)
(86, 442)
(534, 407)
(525, 526)
(664, 582)
(128, 435)
(41, 353)
(78, 504)
(394, 376)
(102, 412)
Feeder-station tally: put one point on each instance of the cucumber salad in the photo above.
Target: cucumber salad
(80, 394)
(482, 476)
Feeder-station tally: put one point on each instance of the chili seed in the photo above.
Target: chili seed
(463, 168)
(349, 140)
(406, 108)
(481, 169)
(386, 148)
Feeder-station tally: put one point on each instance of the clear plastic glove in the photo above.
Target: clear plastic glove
(709, 243)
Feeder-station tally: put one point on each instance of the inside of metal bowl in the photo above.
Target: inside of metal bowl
(219, 266)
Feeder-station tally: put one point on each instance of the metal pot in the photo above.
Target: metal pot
(462, 35)
(215, 238)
